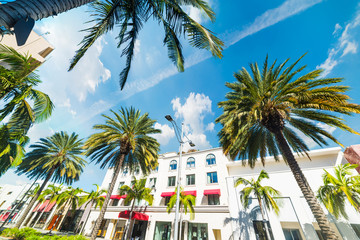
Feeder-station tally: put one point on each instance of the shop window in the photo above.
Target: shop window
(173, 165)
(103, 227)
(114, 202)
(356, 228)
(190, 179)
(210, 159)
(162, 231)
(171, 181)
(190, 163)
(263, 230)
(198, 231)
(212, 177)
(213, 199)
(292, 234)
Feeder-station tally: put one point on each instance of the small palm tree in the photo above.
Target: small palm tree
(187, 203)
(263, 109)
(55, 158)
(123, 141)
(136, 193)
(70, 199)
(95, 197)
(51, 194)
(340, 188)
(262, 193)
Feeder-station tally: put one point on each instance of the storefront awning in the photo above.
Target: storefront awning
(167, 194)
(189, 193)
(49, 206)
(117, 196)
(212, 191)
(135, 215)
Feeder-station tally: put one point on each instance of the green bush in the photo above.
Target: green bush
(32, 234)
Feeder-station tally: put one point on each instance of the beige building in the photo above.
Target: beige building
(35, 45)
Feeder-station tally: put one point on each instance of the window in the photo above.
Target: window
(137, 171)
(213, 199)
(121, 184)
(198, 231)
(152, 182)
(162, 230)
(171, 181)
(356, 228)
(126, 170)
(190, 179)
(156, 169)
(210, 159)
(114, 202)
(9, 193)
(173, 165)
(212, 177)
(292, 234)
(190, 163)
(167, 200)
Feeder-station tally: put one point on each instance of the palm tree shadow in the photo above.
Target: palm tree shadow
(244, 222)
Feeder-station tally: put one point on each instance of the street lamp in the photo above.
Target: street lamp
(180, 139)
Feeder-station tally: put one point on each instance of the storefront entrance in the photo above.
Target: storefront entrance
(198, 231)
(162, 231)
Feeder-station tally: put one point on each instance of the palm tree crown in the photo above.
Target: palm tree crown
(130, 16)
(265, 107)
(123, 141)
(338, 188)
(262, 193)
(95, 197)
(187, 202)
(137, 192)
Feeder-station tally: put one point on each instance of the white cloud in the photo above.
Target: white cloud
(346, 44)
(88, 73)
(137, 47)
(166, 134)
(265, 20)
(40, 130)
(337, 28)
(193, 113)
(210, 127)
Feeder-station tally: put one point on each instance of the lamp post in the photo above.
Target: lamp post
(180, 139)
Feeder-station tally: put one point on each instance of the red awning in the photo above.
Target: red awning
(36, 208)
(189, 193)
(42, 206)
(135, 215)
(212, 191)
(115, 197)
(49, 206)
(167, 194)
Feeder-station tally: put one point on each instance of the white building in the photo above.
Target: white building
(219, 214)
(204, 174)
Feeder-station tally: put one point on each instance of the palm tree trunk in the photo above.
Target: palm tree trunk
(11, 12)
(107, 199)
(68, 205)
(261, 208)
(315, 207)
(129, 223)
(33, 200)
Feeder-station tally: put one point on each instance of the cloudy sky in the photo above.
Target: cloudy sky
(328, 31)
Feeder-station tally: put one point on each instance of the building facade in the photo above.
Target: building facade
(219, 214)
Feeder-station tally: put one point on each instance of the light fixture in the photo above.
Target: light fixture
(169, 118)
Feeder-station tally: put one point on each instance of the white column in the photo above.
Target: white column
(275, 225)
(110, 229)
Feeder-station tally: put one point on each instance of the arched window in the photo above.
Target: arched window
(210, 159)
(173, 165)
(190, 163)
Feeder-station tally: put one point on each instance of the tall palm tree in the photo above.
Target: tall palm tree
(262, 193)
(130, 16)
(51, 194)
(340, 188)
(17, 82)
(136, 193)
(123, 141)
(187, 203)
(56, 158)
(70, 199)
(263, 110)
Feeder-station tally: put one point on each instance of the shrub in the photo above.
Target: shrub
(9, 232)
(32, 234)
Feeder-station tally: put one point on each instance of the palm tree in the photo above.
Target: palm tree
(187, 203)
(17, 82)
(94, 198)
(130, 16)
(136, 193)
(51, 194)
(263, 110)
(69, 199)
(262, 193)
(339, 188)
(123, 141)
(55, 158)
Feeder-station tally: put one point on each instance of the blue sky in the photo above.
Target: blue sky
(326, 30)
